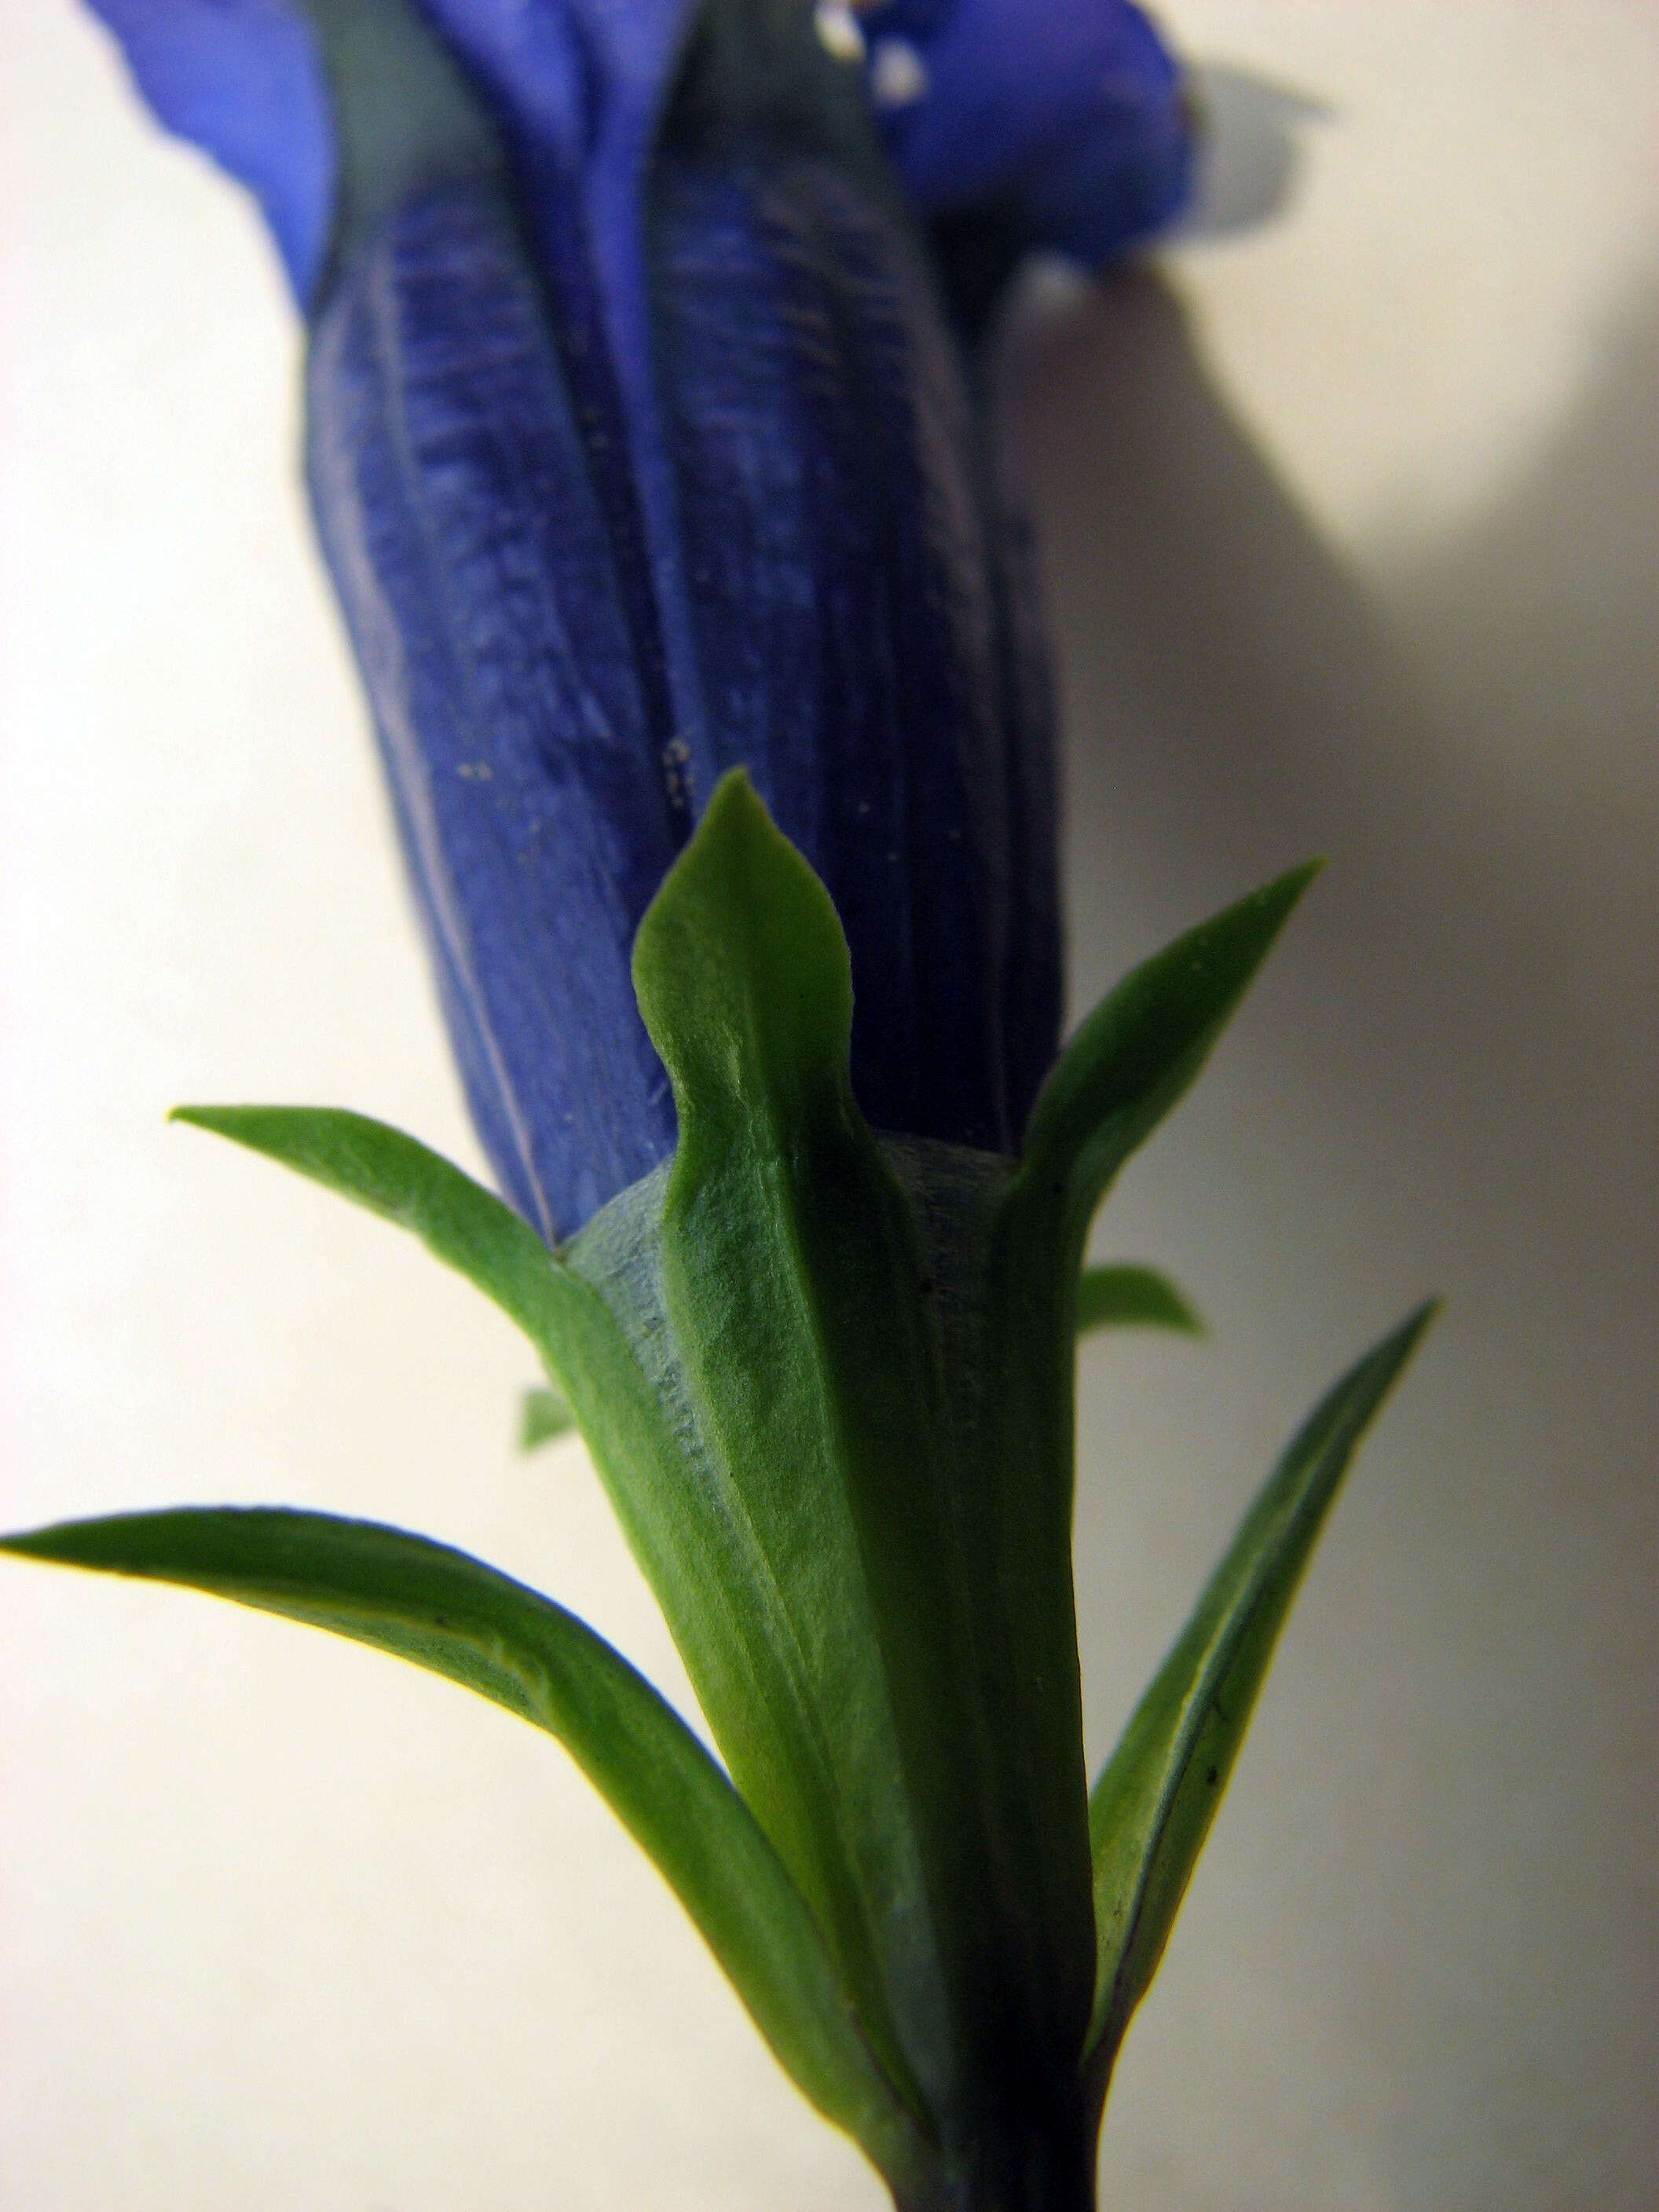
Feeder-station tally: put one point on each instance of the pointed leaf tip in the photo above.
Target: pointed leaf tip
(741, 967)
(402, 1180)
(1136, 1055)
(1150, 1811)
(1122, 1295)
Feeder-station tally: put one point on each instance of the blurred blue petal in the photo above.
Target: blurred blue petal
(243, 80)
(582, 79)
(1068, 112)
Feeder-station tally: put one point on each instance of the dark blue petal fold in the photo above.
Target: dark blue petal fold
(580, 81)
(850, 618)
(579, 87)
(1068, 113)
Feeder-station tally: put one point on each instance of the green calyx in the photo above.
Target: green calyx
(827, 1378)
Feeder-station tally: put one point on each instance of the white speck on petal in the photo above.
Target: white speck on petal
(838, 31)
(898, 75)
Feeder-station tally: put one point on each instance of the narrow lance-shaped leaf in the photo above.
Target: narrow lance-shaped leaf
(1129, 1297)
(1136, 1055)
(1126, 1066)
(1152, 1808)
(449, 1612)
(404, 1182)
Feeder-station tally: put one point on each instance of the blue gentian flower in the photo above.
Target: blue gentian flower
(1067, 116)
(640, 446)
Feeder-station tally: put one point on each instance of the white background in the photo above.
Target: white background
(1350, 523)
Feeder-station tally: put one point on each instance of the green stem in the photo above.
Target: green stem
(1051, 2171)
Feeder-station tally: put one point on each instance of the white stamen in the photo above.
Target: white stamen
(898, 75)
(838, 31)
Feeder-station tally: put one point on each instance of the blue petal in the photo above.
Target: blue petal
(853, 621)
(475, 565)
(1069, 110)
(580, 81)
(579, 86)
(243, 79)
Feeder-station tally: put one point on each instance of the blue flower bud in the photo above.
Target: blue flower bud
(639, 446)
(1068, 118)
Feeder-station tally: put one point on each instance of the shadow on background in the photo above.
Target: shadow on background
(1471, 738)
(1250, 158)
(1447, 1082)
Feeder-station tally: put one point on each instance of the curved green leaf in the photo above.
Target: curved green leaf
(450, 1613)
(1136, 1055)
(1122, 1071)
(404, 1182)
(1125, 1296)
(1125, 1067)
(1152, 1808)
(694, 1550)
(599, 1383)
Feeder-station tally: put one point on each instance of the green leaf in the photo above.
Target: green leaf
(1126, 1066)
(1152, 1808)
(1124, 1296)
(743, 978)
(944, 1850)
(694, 1549)
(543, 1415)
(1122, 1071)
(582, 1345)
(1137, 1054)
(694, 1546)
(450, 1613)
(402, 1180)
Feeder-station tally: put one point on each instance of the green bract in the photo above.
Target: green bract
(827, 1379)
